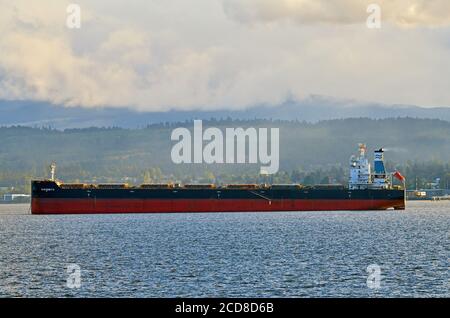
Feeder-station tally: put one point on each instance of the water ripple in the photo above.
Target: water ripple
(312, 254)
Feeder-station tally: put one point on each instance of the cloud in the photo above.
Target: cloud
(161, 55)
(400, 12)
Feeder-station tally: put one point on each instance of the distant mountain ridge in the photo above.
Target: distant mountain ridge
(313, 109)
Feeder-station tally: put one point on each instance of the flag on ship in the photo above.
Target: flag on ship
(399, 176)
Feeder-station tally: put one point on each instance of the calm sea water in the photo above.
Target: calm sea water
(312, 254)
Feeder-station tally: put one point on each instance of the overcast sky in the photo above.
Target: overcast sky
(224, 54)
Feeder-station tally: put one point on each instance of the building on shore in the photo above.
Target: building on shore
(9, 197)
(427, 194)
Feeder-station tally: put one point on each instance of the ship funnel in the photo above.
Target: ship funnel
(380, 179)
(379, 162)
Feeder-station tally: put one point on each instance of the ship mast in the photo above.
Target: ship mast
(53, 171)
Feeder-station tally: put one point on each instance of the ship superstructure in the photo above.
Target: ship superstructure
(361, 174)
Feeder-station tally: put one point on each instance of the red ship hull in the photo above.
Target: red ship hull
(100, 206)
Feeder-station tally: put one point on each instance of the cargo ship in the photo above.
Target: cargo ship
(367, 189)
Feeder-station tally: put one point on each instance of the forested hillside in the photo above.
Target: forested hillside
(323, 148)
